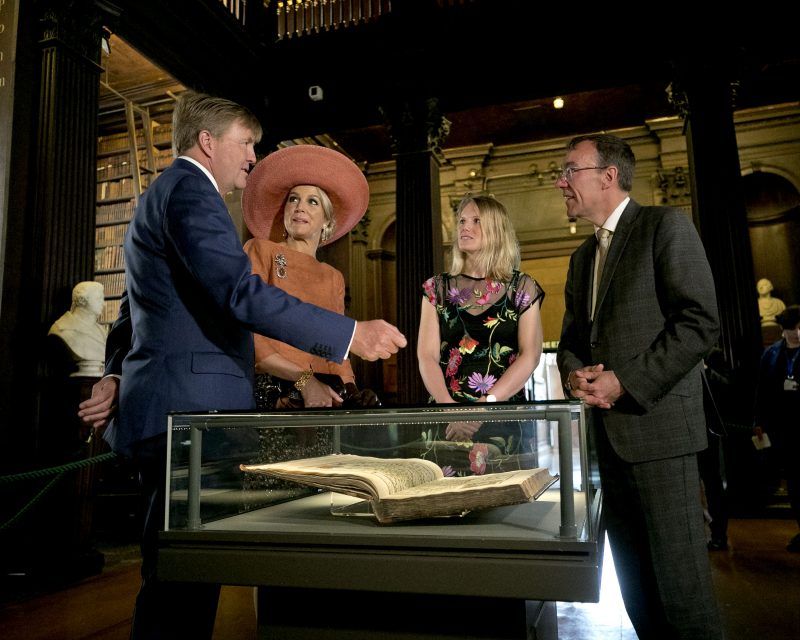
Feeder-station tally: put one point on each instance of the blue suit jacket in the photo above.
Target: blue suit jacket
(194, 304)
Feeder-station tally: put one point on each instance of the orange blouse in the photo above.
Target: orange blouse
(307, 279)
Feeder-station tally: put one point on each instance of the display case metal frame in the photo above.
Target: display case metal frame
(493, 554)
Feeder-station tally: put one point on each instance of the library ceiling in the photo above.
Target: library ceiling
(492, 90)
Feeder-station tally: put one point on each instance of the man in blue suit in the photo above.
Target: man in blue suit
(184, 342)
(641, 315)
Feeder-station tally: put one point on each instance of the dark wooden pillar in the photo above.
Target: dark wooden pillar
(719, 209)
(50, 218)
(707, 93)
(417, 128)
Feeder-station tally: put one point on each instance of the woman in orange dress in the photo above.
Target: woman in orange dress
(296, 200)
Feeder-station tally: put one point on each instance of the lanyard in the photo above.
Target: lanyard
(790, 363)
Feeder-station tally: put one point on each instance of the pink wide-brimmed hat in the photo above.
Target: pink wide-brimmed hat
(273, 177)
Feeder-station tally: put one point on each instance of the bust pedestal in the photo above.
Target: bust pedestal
(70, 504)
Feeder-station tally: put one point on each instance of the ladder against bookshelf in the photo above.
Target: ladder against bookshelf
(120, 181)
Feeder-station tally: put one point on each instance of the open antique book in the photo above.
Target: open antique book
(409, 488)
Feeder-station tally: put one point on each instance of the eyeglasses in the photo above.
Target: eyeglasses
(567, 173)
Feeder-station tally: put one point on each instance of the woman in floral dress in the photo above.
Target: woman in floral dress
(480, 333)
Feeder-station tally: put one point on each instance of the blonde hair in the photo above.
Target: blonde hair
(196, 112)
(499, 256)
(330, 219)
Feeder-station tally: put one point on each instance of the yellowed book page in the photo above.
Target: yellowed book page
(468, 483)
(386, 476)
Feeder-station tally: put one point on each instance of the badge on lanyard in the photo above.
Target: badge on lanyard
(790, 384)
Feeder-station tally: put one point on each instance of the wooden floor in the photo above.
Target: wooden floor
(757, 583)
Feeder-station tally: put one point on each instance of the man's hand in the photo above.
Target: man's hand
(595, 386)
(98, 410)
(376, 339)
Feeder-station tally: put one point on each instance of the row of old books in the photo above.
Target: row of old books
(114, 167)
(119, 166)
(110, 234)
(117, 142)
(161, 135)
(164, 158)
(114, 212)
(113, 283)
(114, 189)
(109, 258)
(110, 311)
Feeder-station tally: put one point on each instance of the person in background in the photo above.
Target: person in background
(480, 331)
(184, 338)
(640, 316)
(777, 409)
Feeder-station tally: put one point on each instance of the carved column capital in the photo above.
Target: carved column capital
(360, 233)
(416, 125)
(701, 72)
(77, 24)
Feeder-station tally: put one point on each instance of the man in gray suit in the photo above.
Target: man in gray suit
(640, 316)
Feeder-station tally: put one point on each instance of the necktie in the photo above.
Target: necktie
(603, 243)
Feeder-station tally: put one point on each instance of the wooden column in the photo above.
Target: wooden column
(719, 210)
(50, 221)
(706, 93)
(417, 128)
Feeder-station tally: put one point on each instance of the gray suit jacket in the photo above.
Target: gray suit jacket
(655, 320)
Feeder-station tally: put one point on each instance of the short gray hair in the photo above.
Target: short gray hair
(611, 151)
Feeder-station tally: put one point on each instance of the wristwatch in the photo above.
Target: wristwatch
(491, 398)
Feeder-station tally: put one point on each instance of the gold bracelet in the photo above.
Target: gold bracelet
(302, 381)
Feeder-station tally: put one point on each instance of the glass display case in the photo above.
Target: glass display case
(234, 527)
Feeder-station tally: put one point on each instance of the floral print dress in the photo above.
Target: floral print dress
(478, 323)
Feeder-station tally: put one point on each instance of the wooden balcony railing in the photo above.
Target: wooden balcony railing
(295, 18)
(237, 9)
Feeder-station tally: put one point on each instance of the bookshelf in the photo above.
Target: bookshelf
(127, 162)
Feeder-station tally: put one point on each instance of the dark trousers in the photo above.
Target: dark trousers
(711, 475)
(165, 609)
(654, 521)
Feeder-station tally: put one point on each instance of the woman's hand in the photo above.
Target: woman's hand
(461, 431)
(318, 394)
(355, 397)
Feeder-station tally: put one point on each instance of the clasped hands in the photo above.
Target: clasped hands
(595, 386)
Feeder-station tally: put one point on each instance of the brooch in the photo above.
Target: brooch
(280, 265)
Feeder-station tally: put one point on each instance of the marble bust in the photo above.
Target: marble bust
(768, 307)
(80, 331)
